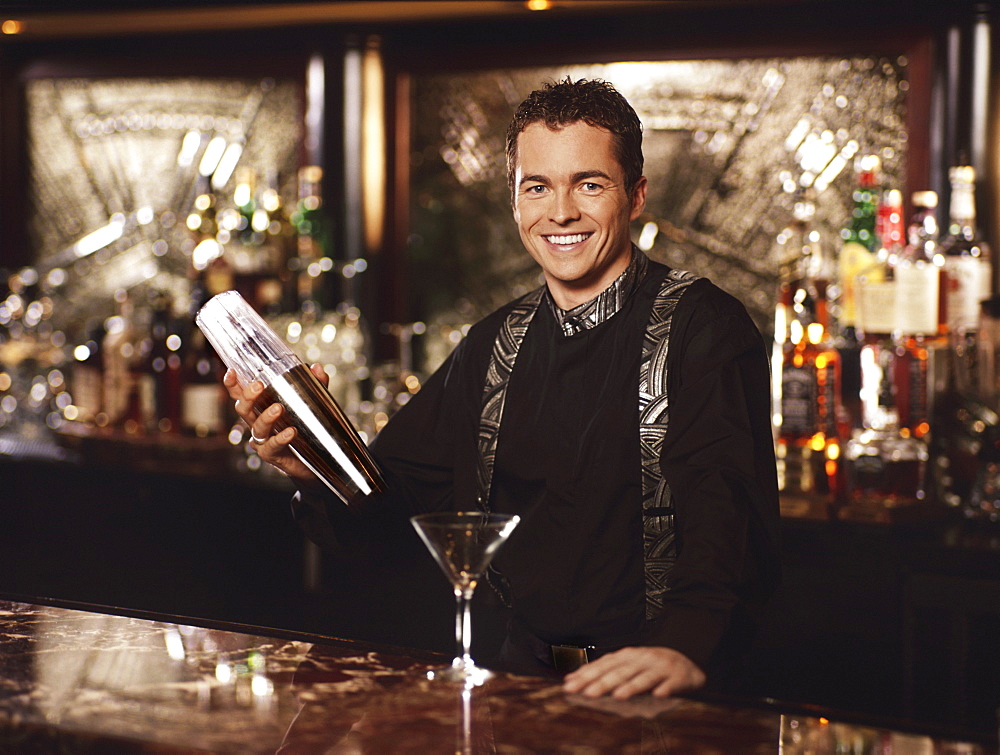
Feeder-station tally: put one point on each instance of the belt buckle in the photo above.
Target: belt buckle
(568, 658)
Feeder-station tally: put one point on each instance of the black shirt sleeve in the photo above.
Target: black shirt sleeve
(718, 458)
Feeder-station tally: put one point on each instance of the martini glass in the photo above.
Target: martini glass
(463, 543)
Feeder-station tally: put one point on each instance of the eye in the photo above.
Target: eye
(591, 186)
(535, 189)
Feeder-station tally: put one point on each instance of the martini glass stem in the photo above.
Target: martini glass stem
(463, 627)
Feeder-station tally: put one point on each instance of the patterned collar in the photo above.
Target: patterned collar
(592, 313)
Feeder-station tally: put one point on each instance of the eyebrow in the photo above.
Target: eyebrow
(575, 178)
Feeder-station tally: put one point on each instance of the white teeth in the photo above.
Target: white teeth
(576, 238)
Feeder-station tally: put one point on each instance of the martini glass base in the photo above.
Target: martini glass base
(466, 672)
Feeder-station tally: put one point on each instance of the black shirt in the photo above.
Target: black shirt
(568, 462)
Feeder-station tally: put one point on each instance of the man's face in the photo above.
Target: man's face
(572, 208)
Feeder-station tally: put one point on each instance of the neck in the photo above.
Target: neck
(568, 295)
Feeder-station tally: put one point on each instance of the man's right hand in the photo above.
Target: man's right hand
(273, 448)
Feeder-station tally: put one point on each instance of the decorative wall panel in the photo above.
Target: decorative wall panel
(726, 144)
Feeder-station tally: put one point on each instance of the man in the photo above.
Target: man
(622, 410)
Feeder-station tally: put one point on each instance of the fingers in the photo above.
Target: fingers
(320, 373)
(600, 677)
(261, 425)
(271, 448)
(633, 671)
(243, 397)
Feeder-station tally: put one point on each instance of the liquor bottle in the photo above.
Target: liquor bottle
(159, 379)
(875, 285)
(203, 398)
(876, 309)
(312, 226)
(808, 446)
(88, 376)
(209, 255)
(968, 277)
(967, 258)
(254, 251)
(886, 466)
(117, 352)
(859, 250)
(918, 277)
(140, 406)
(962, 422)
(279, 294)
(858, 253)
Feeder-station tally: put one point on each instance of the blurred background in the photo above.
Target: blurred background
(341, 164)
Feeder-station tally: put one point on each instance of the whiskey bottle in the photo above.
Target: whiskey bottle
(808, 446)
(203, 399)
(88, 377)
(117, 352)
(159, 382)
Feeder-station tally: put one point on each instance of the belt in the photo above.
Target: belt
(562, 657)
(568, 658)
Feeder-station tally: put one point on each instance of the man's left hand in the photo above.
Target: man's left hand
(635, 670)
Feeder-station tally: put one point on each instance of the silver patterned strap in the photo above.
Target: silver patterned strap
(659, 547)
(505, 350)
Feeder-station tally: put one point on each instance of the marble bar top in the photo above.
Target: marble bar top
(88, 681)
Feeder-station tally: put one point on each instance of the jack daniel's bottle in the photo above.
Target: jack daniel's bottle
(808, 447)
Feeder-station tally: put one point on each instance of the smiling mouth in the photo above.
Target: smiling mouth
(569, 239)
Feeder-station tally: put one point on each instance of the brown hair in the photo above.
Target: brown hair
(596, 103)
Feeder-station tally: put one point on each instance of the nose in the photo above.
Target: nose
(564, 208)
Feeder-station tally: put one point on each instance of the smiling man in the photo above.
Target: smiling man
(622, 410)
(573, 206)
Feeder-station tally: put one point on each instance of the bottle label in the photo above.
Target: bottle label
(798, 401)
(854, 258)
(827, 397)
(917, 290)
(876, 306)
(117, 384)
(201, 408)
(968, 284)
(148, 410)
(87, 389)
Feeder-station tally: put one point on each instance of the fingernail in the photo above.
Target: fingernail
(274, 411)
(286, 434)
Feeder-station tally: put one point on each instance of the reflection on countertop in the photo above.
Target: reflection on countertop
(74, 680)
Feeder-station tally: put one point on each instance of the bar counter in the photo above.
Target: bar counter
(97, 680)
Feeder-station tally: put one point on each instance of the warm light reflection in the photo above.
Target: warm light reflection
(538, 4)
(189, 148)
(212, 155)
(205, 252)
(11, 26)
(373, 145)
(227, 164)
(647, 237)
(100, 238)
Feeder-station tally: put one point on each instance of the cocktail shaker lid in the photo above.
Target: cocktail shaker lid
(242, 339)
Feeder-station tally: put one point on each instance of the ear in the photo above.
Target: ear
(638, 198)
